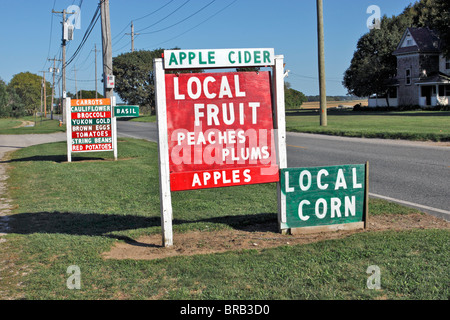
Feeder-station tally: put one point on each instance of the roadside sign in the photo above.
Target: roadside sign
(325, 196)
(220, 130)
(218, 58)
(90, 126)
(126, 111)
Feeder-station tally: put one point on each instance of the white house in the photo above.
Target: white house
(423, 73)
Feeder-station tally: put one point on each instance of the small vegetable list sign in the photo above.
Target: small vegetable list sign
(91, 125)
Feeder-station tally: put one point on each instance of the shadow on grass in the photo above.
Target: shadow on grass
(53, 158)
(104, 224)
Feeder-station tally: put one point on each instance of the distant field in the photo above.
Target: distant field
(333, 104)
(410, 125)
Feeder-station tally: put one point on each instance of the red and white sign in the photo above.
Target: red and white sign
(220, 130)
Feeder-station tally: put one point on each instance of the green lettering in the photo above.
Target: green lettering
(182, 57)
(257, 56)
(173, 59)
(267, 57)
(200, 58)
(247, 57)
(191, 57)
(229, 57)
(211, 57)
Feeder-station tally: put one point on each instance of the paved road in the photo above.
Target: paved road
(412, 173)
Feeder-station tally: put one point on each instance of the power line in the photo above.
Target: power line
(165, 16)
(197, 25)
(86, 35)
(50, 39)
(181, 21)
(136, 19)
(314, 78)
(81, 80)
(147, 15)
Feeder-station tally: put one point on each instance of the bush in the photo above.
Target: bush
(5, 109)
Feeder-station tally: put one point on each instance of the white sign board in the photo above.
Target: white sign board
(218, 58)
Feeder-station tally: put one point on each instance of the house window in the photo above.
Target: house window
(408, 76)
(444, 90)
(447, 63)
(409, 41)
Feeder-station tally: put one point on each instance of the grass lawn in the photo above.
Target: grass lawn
(70, 213)
(11, 126)
(144, 118)
(410, 125)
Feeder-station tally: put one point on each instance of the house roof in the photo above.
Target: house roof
(426, 41)
(436, 78)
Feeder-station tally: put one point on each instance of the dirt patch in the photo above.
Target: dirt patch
(255, 237)
(25, 124)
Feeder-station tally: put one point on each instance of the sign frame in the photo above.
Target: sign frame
(342, 221)
(69, 129)
(279, 126)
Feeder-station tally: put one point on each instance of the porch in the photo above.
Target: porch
(436, 94)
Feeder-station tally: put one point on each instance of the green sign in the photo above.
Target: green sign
(321, 196)
(126, 111)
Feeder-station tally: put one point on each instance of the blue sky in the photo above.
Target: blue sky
(31, 33)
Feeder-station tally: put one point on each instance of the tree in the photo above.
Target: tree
(293, 98)
(27, 86)
(88, 94)
(248, 69)
(16, 105)
(134, 77)
(373, 65)
(434, 14)
(4, 97)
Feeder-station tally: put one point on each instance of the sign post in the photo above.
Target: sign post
(165, 196)
(218, 129)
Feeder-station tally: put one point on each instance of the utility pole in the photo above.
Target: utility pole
(132, 36)
(42, 89)
(106, 47)
(54, 71)
(63, 46)
(44, 85)
(321, 53)
(95, 52)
